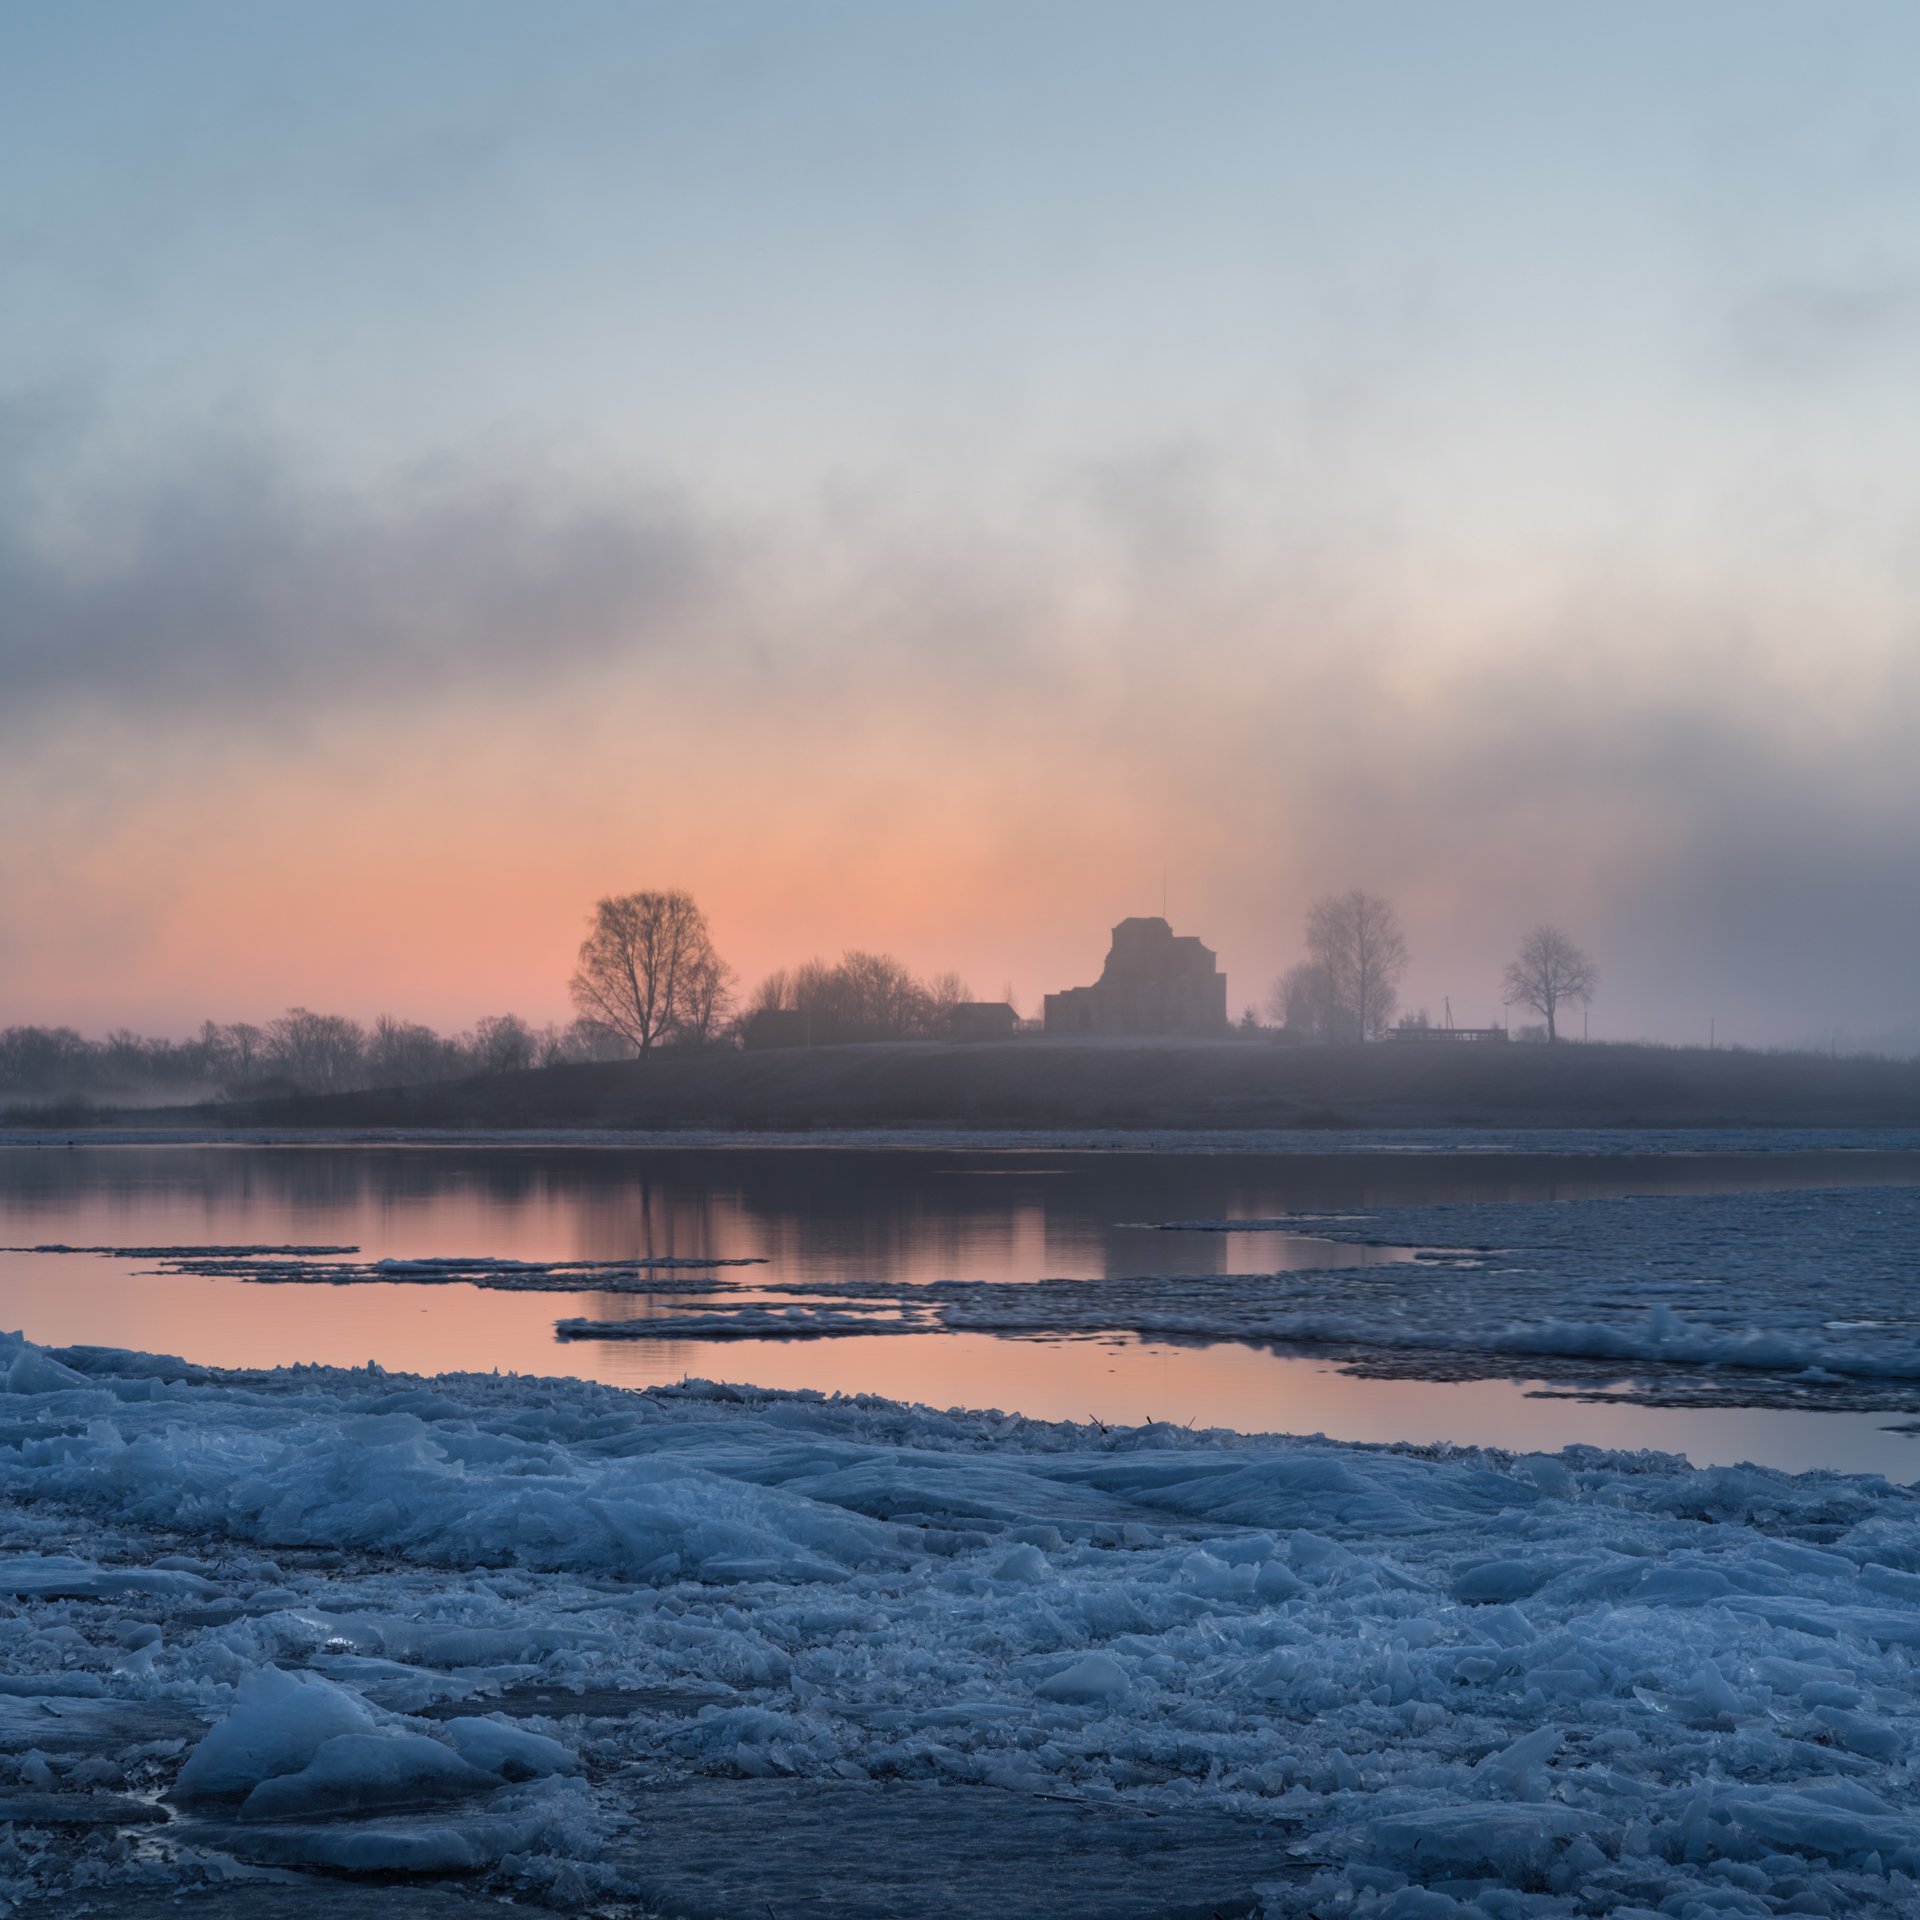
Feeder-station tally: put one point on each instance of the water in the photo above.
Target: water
(824, 1215)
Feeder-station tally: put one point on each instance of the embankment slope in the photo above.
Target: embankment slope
(1090, 1084)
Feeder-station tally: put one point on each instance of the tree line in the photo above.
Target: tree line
(649, 972)
(1348, 986)
(648, 976)
(300, 1052)
(863, 996)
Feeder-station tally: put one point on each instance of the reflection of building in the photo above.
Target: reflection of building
(1154, 982)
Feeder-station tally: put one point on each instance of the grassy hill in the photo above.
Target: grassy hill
(1031, 1083)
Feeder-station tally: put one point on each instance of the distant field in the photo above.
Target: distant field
(1225, 1084)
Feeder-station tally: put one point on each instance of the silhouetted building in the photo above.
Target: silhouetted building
(1155, 981)
(982, 1020)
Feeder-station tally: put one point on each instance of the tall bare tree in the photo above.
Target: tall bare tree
(644, 965)
(1355, 938)
(1550, 972)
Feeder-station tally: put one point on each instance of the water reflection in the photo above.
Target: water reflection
(832, 1216)
(884, 1212)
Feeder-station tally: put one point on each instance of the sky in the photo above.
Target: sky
(944, 478)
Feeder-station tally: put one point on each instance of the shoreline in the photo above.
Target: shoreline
(1098, 1092)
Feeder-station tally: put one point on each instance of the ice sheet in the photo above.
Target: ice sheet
(1546, 1685)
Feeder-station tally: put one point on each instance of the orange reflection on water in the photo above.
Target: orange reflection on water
(818, 1218)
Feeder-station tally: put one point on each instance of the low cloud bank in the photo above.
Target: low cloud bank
(1720, 809)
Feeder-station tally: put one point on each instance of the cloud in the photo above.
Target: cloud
(1842, 326)
(231, 585)
(886, 706)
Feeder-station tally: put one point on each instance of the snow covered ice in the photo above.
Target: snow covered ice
(554, 1639)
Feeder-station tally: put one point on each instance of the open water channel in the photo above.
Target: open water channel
(822, 1216)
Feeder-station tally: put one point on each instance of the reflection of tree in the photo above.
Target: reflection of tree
(845, 1215)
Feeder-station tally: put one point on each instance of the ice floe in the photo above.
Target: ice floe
(749, 1321)
(298, 1266)
(1802, 1299)
(501, 1626)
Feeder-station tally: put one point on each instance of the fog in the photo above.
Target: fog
(918, 505)
(974, 744)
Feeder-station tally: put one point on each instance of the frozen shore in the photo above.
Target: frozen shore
(552, 1640)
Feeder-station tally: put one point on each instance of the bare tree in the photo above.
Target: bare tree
(1304, 1002)
(216, 1054)
(883, 996)
(862, 997)
(644, 965)
(815, 988)
(403, 1053)
(502, 1043)
(944, 992)
(319, 1052)
(774, 994)
(578, 1043)
(1549, 972)
(245, 1044)
(708, 1001)
(1355, 938)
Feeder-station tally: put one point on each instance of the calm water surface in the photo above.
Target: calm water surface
(826, 1215)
